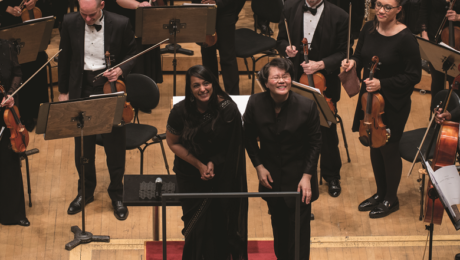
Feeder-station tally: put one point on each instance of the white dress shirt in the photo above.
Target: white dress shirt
(310, 22)
(94, 47)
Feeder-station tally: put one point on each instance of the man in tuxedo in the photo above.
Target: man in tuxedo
(227, 15)
(326, 27)
(85, 37)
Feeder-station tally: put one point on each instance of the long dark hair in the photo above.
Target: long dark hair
(192, 116)
(399, 16)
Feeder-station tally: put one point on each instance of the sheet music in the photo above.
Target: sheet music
(447, 46)
(108, 94)
(306, 86)
(197, 4)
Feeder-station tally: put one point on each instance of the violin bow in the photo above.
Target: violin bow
(287, 31)
(133, 57)
(349, 33)
(23, 84)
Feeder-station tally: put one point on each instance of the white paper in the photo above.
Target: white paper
(196, 4)
(108, 94)
(447, 46)
(240, 100)
(448, 181)
(306, 86)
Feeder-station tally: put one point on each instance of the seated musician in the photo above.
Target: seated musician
(328, 47)
(399, 71)
(205, 133)
(78, 65)
(288, 127)
(453, 115)
(12, 206)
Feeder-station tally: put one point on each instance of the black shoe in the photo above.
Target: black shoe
(119, 210)
(384, 209)
(75, 205)
(457, 257)
(334, 188)
(370, 203)
(24, 222)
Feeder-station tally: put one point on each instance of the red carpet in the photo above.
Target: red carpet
(257, 250)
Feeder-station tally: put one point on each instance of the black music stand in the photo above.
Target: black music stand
(178, 23)
(439, 193)
(29, 37)
(81, 117)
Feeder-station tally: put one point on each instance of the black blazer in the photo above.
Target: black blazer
(118, 40)
(329, 41)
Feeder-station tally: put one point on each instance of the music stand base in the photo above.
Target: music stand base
(170, 49)
(84, 238)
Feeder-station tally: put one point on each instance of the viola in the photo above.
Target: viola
(19, 135)
(117, 86)
(316, 80)
(451, 34)
(372, 131)
(29, 14)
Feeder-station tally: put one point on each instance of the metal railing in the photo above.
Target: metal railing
(296, 195)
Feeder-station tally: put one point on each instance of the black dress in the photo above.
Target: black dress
(213, 228)
(399, 72)
(11, 188)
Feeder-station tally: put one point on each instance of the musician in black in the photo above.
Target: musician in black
(85, 37)
(325, 26)
(400, 70)
(227, 15)
(288, 127)
(432, 13)
(12, 206)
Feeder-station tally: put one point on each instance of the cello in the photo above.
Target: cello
(316, 80)
(117, 86)
(19, 135)
(29, 14)
(451, 34)
(372, 131)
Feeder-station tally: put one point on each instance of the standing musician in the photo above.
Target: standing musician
(10, 12)
(325, 26)
(432, 13)
(85, 37)
(400, 71)
(227, 15)
(288, 127)
(12, 205)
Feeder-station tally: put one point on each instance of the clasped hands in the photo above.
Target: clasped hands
(16, 11)
(207, 171)
(372, 85)
(304, 185)
(309, 68)
(9, 103)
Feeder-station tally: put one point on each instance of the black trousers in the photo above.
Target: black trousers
(115, 150)
(438, 83)
(330, 161)
(225, 28)
(12, 204)
(283, 224)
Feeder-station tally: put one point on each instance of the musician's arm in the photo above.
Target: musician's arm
(129, 43)
(16, 71)
(250, 134)
(332, 62)
(313, 140)
(282, 41)
(64, 58)
(132, 4)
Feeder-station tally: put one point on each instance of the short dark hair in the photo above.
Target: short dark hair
(98, 2)
(281, 63)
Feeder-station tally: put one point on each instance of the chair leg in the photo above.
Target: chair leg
(247, 67)
(164, 154)
(142, 159)
(28, 180)
(253, 73)
(344, 137)
(50, 75)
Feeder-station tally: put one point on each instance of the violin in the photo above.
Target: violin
(117, 86)
(29, 14)
(19, 135)
(316, 80)
(444, 155)
(451, 34)
(372, 131)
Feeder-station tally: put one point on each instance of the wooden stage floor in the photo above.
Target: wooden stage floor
(339, 230)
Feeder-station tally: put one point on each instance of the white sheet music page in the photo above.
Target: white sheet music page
(448, 181)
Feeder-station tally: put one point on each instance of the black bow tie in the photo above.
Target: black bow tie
(98, 27)
(313, 11)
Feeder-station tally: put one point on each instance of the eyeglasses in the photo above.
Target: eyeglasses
(284, 77)
(387, 8)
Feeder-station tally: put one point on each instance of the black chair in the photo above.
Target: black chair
(24, 156)
(143, 93)
(411, 140)
(249, 43)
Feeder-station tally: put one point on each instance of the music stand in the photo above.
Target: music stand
(179, 23)
(81, 117)
(438, 193)
(29, 37)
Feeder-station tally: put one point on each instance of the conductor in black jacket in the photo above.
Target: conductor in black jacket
(85, 37)
(325, 26)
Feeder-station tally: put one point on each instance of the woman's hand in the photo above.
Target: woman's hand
(30, 4)
(8, 104)
(305, 187)
(425, 35)
(452, 16)
(207, 172)
(372, 85)
(291, 52)
(145, 4)
(347, 66)
(441, 117)
(14, 11)
(264, 176)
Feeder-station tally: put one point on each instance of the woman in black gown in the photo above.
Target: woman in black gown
(400, 70)
(12, 205)
(205, 133)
